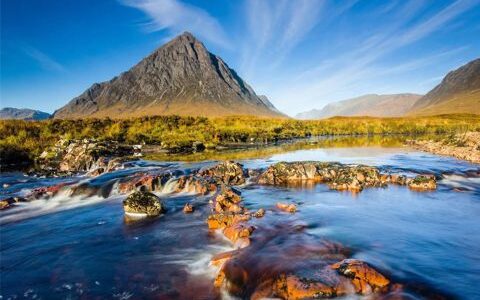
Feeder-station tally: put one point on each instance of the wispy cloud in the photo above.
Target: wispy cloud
(176, 16)
(43, 59)
(275, 28)
(355, 69)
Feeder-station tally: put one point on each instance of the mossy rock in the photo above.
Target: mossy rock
(143, 203)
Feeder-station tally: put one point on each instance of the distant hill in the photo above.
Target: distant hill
(23, 114)
(374, 105)
(459, 92)
(181, 77)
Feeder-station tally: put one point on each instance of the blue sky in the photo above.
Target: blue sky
(302, 54)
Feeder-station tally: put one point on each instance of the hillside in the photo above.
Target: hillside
(182, 78)
(23, 114)
(374, 105)
(459, 92)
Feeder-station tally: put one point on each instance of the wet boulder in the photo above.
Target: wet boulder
(222, 220)
(291, 208)
(194, 184)
(295, 287)
(188, 208)
(227, 200)
(422, 183)
(363, 277)
(142, 181)
(238, 230)
(285, 172)
(143, 204)
(227, 172)
(259, 213)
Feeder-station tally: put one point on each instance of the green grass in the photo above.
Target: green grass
(177, 132)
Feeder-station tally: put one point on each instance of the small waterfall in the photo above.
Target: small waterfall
(169, 186)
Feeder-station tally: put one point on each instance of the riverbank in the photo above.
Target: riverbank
(465, 146)
(23, 142)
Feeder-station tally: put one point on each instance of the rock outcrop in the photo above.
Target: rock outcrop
(85, 155)
(337, 176)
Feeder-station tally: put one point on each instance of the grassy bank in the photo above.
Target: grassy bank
(31, 138)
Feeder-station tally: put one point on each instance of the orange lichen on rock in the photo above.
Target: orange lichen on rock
(363, 277)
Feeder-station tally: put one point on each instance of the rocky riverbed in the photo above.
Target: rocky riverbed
(464, 146)
(269, 228)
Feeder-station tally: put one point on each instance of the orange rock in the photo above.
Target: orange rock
(227, 200)
(239, 230)
(4, 204)
(259, 213)
(188, 208)
(218, 221)
(293, 287)
(291, 208)
(422, 183)
(363, 277)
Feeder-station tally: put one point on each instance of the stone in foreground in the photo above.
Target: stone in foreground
(143, 204)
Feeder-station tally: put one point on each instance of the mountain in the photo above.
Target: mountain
(181, 77)
(459, 92)
(23, 114)
(374, 105)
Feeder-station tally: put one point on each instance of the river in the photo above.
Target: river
(83, 247)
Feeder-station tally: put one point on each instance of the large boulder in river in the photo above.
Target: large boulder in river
(227, 172)
(143, 204)
(285, 172)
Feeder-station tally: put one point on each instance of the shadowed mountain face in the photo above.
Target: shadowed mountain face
(395, 105)
(23, 114)
(181, 77)
(459, 92)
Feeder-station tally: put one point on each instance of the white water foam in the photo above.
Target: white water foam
(60, 202)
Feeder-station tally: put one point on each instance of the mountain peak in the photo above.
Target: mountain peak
(181, 77)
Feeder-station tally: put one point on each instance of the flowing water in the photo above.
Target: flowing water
(83, 247)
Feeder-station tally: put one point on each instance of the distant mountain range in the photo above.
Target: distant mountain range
(23, 114)
(181, 77)
(459, 92)
(374, 105)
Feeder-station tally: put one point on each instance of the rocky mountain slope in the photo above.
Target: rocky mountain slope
(374, 105)
(459, 92)
(181, 77)
(23, 114)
